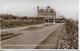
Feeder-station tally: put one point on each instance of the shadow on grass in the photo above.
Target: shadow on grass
(33, 28)
(8, 35)
(37, 28)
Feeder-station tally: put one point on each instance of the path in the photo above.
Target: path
(29, 39)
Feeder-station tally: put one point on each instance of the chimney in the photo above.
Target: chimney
(37, 8)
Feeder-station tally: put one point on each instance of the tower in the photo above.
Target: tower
(37, 10)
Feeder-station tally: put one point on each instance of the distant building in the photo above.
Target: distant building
(49, 14)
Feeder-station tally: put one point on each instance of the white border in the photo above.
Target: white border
(52, 49)
(39, 50)
(79, 25)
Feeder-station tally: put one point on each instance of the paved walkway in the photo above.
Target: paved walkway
(29, 39)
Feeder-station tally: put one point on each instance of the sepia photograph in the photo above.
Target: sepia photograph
(39, 24)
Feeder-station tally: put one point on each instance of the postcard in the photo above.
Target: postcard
(39, 24)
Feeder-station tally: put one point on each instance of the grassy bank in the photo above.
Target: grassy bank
(70, 39)
(17, 23)
(72, 32)
(10, 21)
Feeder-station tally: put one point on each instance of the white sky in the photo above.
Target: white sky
(68, 8)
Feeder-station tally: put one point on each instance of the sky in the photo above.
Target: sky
(67, 8)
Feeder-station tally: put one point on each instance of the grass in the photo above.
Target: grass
(17, 23)
(72, 32)
(8, 35)
(37, 28)
(34, 28)
(10, 21)
(71, 36)
(48, 24)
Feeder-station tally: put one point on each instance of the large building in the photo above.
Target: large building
(48, 13)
